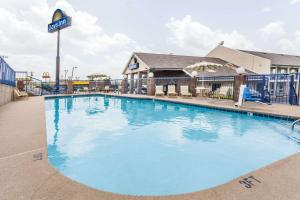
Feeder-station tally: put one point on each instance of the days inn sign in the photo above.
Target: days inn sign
(59, 21)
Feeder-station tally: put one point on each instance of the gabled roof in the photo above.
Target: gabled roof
(277, 59)
(170, 61)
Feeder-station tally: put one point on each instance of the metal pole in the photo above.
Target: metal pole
(57, 62)
(73, 72)
(66, 71)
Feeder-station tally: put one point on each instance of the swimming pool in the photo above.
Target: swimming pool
(147, 147)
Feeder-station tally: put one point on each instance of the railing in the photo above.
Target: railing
(29, 84)
(220, 87)
(294, 123)
(7, 74)
(275, 88)
(271, 88)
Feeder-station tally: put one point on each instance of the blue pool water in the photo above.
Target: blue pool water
(145, 147)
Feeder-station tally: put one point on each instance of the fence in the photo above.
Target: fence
(7, 74)
(270, 88)
(29, 84)
(215, 87)
(275, 88)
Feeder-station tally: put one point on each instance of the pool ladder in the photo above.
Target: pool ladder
(294, 123)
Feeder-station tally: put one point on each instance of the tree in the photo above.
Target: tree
(98, 77)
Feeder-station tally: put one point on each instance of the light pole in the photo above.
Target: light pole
(73, 72)
(66, 72)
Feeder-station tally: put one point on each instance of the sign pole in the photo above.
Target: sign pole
(59, 21)
(57, 62)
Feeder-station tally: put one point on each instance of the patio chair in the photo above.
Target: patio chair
(202, 91)
(19, 94)
(214, 94)
(249, 97)
(224, 90)
(107, 89)
(171, 91)
(118, 89)
(184, 91)
(159, 90)
(85, 89)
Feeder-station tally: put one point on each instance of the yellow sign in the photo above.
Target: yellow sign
(58, 14)
(46, 75)
(81, 83)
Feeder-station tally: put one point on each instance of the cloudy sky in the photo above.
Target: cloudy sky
(105, 33)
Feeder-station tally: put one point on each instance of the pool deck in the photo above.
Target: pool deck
(26, 174)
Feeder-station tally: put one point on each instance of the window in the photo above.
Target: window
(273, 70)
(293, 70)
(283, 70)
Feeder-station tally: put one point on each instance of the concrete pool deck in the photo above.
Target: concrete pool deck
(26, 174)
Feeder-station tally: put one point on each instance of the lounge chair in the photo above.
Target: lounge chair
(159, 90)
(184, 91)
(171, 91)
(222, 93)
(19, 94)
(118, 90)
(249, 97)
(85, 89)
(107, 89)
(225, 92)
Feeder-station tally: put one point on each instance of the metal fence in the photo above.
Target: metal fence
(220, 87)
(275, 88)
(7, 74)
(270, 88)
(29, 84)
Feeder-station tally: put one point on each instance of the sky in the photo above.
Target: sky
(104, 34)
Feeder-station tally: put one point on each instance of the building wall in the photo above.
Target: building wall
(170, 73)
(284, 69)
(251, 62)
(6, 94)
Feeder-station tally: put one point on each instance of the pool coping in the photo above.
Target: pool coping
(55, 185)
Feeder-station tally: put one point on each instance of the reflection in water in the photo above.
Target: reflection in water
(106, 102)
(199, 134)
(69, 104)
(53, 149)
(95, 107)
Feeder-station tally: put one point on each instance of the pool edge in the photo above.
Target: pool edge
(57, 186)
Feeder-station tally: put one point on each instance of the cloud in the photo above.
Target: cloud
(30, 47)
(272, 30)
(276, 38)
(266, 10)
(197, 38)
(294, 1)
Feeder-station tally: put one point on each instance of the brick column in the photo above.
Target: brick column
(193, 86)
(139, 83)
(70, 87)
(238, 81)
(131, 89)
(124, 86)
(151, 86)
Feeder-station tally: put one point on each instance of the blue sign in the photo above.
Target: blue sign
(59, 21)
(59, 24)
(134, 66)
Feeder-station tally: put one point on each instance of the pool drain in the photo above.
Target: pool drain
(37, 156)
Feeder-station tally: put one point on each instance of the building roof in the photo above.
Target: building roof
(170, 61)
(277, 59)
